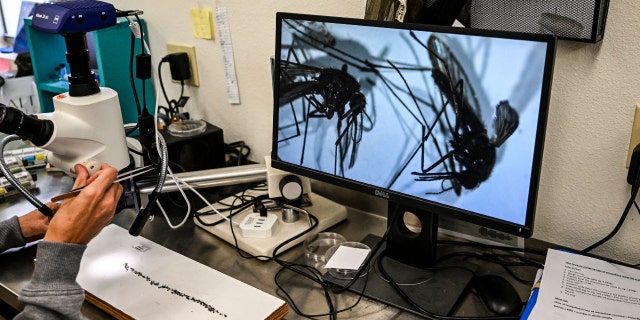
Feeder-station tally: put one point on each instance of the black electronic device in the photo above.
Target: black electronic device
(440, 121)
(497, 294)
(634, 166)
(200, 151)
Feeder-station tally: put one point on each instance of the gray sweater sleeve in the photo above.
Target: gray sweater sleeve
(10, 234)
(53, 292)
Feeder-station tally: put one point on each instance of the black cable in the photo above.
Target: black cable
(231, 208)
(175, 103)
(489, 257)
(144, 214)
(427, 313)
(490, 246)
(131, 76)
(164, 92)
(308, 272)
(144, 96)
(634, 194)
(237, 148)
(367, 262)
(242, 253)
(504, 264)
(338, 288)
(333, 287)
(142, 48)
(165, 109)
(316, 277)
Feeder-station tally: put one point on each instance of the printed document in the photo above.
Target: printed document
(583, 288)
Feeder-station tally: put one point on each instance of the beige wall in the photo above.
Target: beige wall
(583, 187)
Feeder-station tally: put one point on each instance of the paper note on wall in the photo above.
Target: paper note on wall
(224, 34)
(201, 20)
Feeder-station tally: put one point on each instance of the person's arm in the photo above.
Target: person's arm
(18, 231)
(53, 292)
(10, 234)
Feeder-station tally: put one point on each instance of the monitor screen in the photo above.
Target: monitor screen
(440, 121)
(444, 118)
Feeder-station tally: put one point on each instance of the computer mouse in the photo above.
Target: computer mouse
(498, 295)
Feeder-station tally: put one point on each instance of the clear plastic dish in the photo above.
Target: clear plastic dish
(316, 247)
(187, 128)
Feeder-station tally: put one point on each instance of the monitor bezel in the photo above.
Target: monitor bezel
(522, 230)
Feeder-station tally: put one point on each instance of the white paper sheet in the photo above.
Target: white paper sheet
(583, 288)
(347, 258)
(148, 281)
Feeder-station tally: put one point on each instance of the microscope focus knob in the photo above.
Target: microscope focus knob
(92, 165)
(291, 188)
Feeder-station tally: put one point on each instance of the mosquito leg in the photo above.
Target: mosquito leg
(296, 124)
(435, 164)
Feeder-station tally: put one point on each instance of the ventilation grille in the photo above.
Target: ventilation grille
(580, 20)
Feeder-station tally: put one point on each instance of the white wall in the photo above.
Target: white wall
(583, 187)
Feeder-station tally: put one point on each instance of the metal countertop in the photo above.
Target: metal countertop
(16, 266)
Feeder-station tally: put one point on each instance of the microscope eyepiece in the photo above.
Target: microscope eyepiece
(27, 127)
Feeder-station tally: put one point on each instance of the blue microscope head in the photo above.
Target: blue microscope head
(78, 16)
(73, 19)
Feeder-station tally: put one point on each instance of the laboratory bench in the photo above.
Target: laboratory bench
(190, 240)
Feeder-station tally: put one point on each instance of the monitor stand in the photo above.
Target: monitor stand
(437, 290)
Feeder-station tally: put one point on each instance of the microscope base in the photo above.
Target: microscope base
(328, 213)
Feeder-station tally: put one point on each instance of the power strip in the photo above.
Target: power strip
(256, 226)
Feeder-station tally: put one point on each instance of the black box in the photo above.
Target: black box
(577, 20)
(197, 152)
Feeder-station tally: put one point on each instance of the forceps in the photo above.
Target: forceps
(121, 177)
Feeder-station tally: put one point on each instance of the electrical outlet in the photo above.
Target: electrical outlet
(191, 52)
(635, 134)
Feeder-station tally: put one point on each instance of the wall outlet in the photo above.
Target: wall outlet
(635, 134)
(191, 52)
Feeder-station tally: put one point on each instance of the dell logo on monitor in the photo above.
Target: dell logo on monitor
(382, 194)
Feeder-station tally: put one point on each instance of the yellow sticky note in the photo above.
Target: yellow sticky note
(201, 20)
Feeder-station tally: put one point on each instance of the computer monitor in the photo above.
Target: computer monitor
(437, 120)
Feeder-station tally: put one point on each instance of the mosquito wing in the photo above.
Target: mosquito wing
(505, 122)
(451, 76)
(297, 80)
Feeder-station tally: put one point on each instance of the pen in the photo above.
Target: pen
(533, 297)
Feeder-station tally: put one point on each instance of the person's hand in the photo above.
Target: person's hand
(34, 224)
(80, 219)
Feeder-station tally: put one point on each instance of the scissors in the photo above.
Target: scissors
(121, 177)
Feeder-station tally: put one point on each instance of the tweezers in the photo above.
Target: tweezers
(121, 177)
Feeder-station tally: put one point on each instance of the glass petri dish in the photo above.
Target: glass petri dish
(316, 247)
